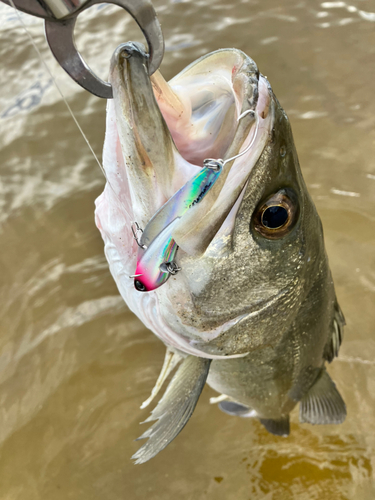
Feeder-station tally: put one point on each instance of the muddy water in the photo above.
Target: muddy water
(75, 364)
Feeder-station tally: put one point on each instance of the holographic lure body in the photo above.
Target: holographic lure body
(150, 272)
(157, 249)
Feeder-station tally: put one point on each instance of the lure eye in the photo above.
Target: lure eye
(139, 286)
(275, 217)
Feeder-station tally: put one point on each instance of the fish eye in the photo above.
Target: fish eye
(139, 286)
(275, 217)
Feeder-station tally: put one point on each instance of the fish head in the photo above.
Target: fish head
(250, 250)
(250, 283)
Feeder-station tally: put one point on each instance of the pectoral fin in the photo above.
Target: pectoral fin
(323, 403)
(175, 408)
(236, 409)
(170, 361)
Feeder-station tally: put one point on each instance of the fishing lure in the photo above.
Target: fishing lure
(157, 249)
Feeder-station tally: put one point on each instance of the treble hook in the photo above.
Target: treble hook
(60, 18)
(134, 226)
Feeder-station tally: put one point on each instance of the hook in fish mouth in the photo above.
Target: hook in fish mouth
(135, 232)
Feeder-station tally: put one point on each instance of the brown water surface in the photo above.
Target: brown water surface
(75, 364)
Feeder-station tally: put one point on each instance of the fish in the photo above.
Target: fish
(251, 308)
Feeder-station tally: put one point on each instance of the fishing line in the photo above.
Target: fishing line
(56, 85)
(66, 104)
(249, 111)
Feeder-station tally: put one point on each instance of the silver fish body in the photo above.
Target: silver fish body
(254, 300)
(281, 290)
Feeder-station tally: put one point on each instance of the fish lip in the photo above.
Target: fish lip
(126, 51)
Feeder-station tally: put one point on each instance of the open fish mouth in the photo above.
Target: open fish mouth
(158, 136)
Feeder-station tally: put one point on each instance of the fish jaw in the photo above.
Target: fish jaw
(201, 103)
(151, 159)
(198, 228)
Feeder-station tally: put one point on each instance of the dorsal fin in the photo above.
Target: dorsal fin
(278, 427)
(175, 407)
(323, 403)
